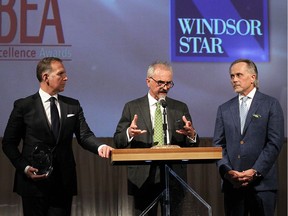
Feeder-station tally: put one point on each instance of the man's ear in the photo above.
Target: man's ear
(253, 78)
(45, 77)
(148, 82)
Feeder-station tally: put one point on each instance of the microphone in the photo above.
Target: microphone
(163, 102)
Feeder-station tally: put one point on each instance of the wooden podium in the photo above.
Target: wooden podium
(146, 155)
(168, 156)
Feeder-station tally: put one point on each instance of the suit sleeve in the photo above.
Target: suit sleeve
(189, 142)
(84, 135)
(120, 136)
(13, 134)
(219, 140)
(274, 140)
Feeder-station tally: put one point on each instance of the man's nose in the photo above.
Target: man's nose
(166, 87)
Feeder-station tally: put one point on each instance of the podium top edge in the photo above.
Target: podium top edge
(158, 150)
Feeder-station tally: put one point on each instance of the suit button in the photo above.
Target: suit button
(242, 142)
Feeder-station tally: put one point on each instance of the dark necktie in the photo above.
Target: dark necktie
(55, 123)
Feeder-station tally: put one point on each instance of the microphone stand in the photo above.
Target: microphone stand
(165, 127)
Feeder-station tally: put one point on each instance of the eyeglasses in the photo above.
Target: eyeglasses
(161, 83)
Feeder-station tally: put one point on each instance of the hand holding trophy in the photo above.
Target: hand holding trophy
(42, 159)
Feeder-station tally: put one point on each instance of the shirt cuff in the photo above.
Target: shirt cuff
(128, 137)
(101, 146)
(26, 169)
(193, 139)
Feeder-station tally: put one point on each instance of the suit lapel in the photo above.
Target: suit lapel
(170, 117)
(42, 114)
(145, 112)
(64, 112)
(235, 115)
(40, 109)
(253, 109)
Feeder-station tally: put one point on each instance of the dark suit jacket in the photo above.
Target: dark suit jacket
(28, 122)
(175, 110)
(260, 144)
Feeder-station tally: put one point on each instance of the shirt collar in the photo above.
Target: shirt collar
(151, 100)
(250, 95)
(45, 96)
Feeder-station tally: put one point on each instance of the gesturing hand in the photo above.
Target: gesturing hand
(133, 129)
(188, 129)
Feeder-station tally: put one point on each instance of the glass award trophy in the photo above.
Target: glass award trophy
(42, 159)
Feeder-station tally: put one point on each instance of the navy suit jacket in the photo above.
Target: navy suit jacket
(175, 110)
(28, 122)
(259, 145)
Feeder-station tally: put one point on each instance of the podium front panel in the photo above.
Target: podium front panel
(177, 155)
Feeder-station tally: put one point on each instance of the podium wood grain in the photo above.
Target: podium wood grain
(144, 155)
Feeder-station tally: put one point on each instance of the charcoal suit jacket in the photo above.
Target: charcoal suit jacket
(175, 110)
(28, 123)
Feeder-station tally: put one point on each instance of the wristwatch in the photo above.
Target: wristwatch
(257, 175)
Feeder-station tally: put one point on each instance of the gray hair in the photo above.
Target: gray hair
(152, 67)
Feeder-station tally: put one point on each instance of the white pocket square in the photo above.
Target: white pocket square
(70, 115)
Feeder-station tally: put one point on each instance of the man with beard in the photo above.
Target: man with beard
(136, 130)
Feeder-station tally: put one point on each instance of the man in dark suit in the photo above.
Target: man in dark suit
(47, 192)
(248, 167)
(136, 127)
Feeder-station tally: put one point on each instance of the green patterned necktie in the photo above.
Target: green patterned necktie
(158, 126)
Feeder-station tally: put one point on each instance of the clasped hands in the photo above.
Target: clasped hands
(187, 129)
(240, 179)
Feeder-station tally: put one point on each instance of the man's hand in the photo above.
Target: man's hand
(133, 129)
(188, 129)
(105, 151)
(247, 177)
(233, 177)
(240, 179)
(32, 173)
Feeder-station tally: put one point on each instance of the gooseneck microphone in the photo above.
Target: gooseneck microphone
(163, 102)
